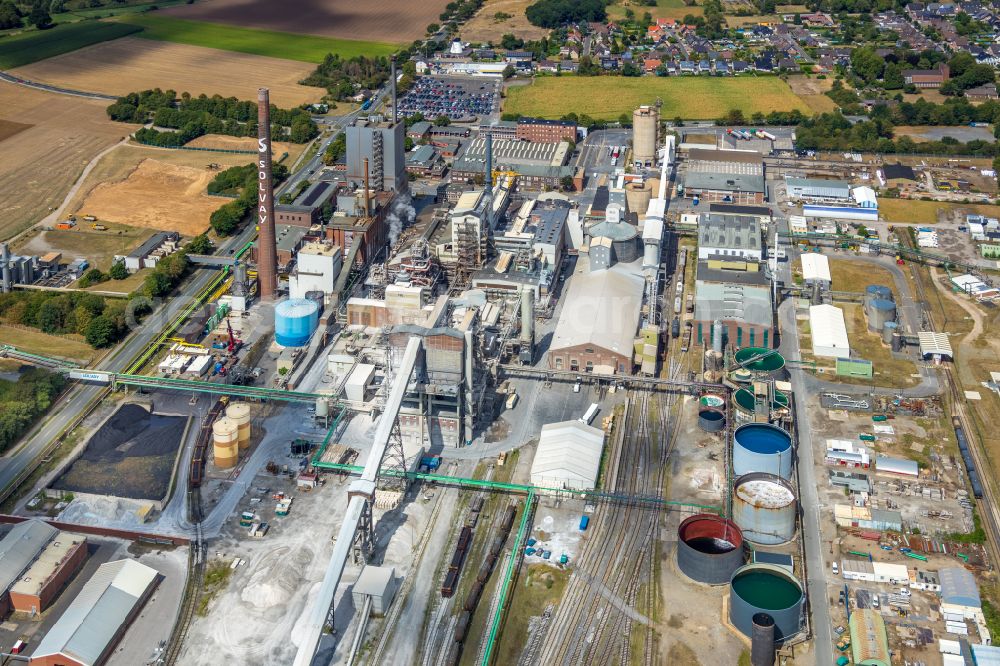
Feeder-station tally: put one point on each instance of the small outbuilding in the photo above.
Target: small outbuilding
(935, 346)
(816, 269)
(377, 583)
(829, 332)
(568, 456)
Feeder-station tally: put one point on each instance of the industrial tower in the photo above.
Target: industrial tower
(267, 253)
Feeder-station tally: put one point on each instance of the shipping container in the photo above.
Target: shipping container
(584, 522)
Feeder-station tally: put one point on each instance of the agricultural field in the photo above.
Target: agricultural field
(484, 27)
(391, 21)
(607, 97)
(675, 9)
(41, 162)
(33, 45)
(129, 64)
(915, 211)
(811, 91)
(249, 144)
(269, 43)
(154, 188)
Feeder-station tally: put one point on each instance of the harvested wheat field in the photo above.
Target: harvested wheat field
(154, 188)
(485, 27)
(130, 63)
(42, 161)
(248, 143)
(811, 91)
(393, 21)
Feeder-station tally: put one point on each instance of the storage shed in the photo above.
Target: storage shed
(935, 346)
(816, 269)
(960, 593)
(568, 456)
(378, 583)
(829, 331)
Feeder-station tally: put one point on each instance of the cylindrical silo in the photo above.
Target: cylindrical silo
(645, 125)
(709, 548)
(888, 330)
(711, 420)
(225, 442)
(880, 311)
(762, 447)
(762, 640)
(717, 336)
(638, 196)
(322, 407)
(295, 320)
(764, 507)
(316, 297)
(875, 292)
(240, 413)
(897, 342)
(766, 588)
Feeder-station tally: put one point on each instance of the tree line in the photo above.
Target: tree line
(189, 117)
(242, 181)
(24, 400)
(556, 13)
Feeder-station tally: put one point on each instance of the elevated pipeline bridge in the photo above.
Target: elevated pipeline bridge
(569, 376)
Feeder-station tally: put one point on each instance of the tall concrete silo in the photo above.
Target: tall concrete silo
(645, 126)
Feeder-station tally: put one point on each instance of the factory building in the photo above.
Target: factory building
(597, 327)
(384, 146)
(729, 236)
(536, 164)
(36, 562)
(816, 269)
(94, 623)
(960, 593)
(869, 641)
(150, 252)
(308, 207)
(739, 299)
(499, 129)
(568, 456)
(760, 213)
(817, 189)
(829, 331)
(545, 131)
(725, 175)
(537, 234)
(862, 205)
(317, 267)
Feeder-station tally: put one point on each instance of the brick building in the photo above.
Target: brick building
(545, 131)
(36, 561)
(927, 78)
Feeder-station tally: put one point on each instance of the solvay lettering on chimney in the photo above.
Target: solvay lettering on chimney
(267, 256)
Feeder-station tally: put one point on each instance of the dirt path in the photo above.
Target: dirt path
(977, 316)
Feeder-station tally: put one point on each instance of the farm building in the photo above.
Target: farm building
(729, 236)
(869, 642)
(599, 320)
(960, 593)
(378, 584)
(36, 561)
(816, 269)
(828, 331)
(568, 456)
(97, 619)
(817, 189)
(725, 175)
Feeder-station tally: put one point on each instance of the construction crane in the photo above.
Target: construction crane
(234, 344)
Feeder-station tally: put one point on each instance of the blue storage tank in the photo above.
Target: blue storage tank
(878, 291)
(880, 310)
(762, 447)
(295, 320)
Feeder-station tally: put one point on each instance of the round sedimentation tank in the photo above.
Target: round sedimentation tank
(888, 330)
(741, 376)
(745, 402)
(712, 401)
(225, 442)
(711, 420)
(709, 548)
(294, 322)
(772, 362)
(762, 447)
(645, 124)
(880, 311)
(765, 588)
(240, 413)
(762, 640)
(638, 195)
(764, 507)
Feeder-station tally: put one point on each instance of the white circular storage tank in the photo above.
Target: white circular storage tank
(225, 430)
(764, 508)
(240, 413)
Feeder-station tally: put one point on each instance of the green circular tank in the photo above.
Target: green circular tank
(770, 363)
(744, 400)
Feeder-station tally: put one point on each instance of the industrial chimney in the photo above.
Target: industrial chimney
(267, 253)
(527, 337)
(5, 258)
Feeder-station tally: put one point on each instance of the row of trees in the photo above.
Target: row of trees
(11, 16)
(241, 180)
(342, 77)
(23, 401)
(99, 320)
(192, 117)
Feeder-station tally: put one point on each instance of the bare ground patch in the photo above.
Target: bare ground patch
(9, 128)
(485, 27)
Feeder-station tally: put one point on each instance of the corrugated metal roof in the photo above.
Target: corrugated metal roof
(869, 643)
(601, 309)
(95, 616)
(829, 331)
(20, 548)
(934, 343)
(815, 267)
(958, 587)
(568, 453)
(897, 465)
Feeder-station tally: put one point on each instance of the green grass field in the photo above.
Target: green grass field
(29, 47)
(607, 97)
(305, 48)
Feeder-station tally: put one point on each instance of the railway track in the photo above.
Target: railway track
(192, 592)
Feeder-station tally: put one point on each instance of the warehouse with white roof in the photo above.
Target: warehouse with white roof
(96, 620)
(816, 269)
(568, 456)
(960, 593)
(829, 332)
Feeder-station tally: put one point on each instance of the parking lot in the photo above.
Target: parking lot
(458, 98)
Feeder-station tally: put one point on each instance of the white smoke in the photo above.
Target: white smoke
(400, 216)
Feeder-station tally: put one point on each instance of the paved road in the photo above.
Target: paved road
(17, 80)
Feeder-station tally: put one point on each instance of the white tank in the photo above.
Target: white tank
(225, 430)
(240, 413)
